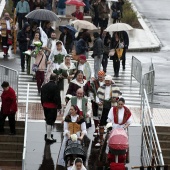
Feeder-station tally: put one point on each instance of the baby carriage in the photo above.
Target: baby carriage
(118, 146)
(72, 151)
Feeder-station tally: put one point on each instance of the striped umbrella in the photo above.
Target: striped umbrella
(43, 15)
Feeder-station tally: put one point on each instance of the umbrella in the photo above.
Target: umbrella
(43, 14)
(71, 29)
(82, 24)
(118, 27)
(75, 2)
(118, 139)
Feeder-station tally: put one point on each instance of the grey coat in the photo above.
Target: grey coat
(98, 47)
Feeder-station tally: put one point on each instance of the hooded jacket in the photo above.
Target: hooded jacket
(22, 38)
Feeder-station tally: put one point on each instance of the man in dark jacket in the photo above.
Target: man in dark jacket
(67, 40)
(98, 48)
(51, 101)
(23, 38)
(8, 107)
(81, 45)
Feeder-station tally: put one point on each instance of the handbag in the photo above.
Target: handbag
(119, 52)
(35, 66)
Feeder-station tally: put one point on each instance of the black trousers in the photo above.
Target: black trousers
(50, 115)
(116, 64)
(21, 18)
(124, 58)
(22, 56)
(11, 118)
(105, 62)
(103, 120)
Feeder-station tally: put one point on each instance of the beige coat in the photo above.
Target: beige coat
(42, 66)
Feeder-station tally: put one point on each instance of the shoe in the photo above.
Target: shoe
(12, 133)
(123, 68)
(45, 136)
(50, 141)
(5, 56)
(23, 70)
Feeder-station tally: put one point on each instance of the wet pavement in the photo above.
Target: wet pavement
(39, 155)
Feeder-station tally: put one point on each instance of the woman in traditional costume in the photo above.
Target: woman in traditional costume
(120, 115)
(73, 124)
(55, 59)
(78, 82)
(67, 70)
(78, 165)
(36, 42)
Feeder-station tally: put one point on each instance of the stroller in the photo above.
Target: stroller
(72, 151)
(118, 146)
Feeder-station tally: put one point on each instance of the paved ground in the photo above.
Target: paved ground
(156, 14)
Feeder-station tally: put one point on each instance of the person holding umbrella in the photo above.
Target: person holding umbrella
(66, 38)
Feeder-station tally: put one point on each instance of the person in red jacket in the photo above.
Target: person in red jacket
(77, 14)
(8, 107)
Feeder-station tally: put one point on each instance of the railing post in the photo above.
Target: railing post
(25, 131)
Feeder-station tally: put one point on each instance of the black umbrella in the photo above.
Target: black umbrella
(43, 14)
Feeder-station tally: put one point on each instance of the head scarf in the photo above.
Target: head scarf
(74, 166)
(101, 73)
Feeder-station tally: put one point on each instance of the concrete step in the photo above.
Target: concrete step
(164, 144)
(15, 138)
(12, 146)
(166, 152)
(10, 162)
(163, 128)
(19, 130)
(10, 155)
(164, 136)
(166, 160)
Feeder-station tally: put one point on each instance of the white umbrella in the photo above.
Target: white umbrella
(82, 24)
(118, 27)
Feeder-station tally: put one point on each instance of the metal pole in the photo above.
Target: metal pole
(131, 72)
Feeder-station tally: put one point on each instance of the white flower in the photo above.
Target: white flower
(109, 125)
(28, 52)
(74, 137)
(38, 44)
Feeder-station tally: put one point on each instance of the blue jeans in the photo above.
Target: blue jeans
(97, 65)
(61, 11)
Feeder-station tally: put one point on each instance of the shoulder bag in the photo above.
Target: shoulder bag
(35, 66)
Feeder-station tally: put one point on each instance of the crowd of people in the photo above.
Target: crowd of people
(84, 92)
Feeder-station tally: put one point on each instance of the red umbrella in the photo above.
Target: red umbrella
(118, 139)
(75, 2)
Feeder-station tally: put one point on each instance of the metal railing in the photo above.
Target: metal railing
(11, 76)
(148, 81)
(136, 71)
(25, 132)
(151, 154)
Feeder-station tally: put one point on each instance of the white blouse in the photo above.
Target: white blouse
(74, 119)
(120, 118)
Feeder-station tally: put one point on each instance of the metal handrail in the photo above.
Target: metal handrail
(25, 132)
(150, 141)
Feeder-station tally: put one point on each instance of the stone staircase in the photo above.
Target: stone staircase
(11, 147)
(163, 133)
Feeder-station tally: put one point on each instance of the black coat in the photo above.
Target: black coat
(50, 93)
(69, 39)
(22, 38)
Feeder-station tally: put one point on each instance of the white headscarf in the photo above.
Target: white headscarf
(44, 37)
(74, 165)
(63, 52)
